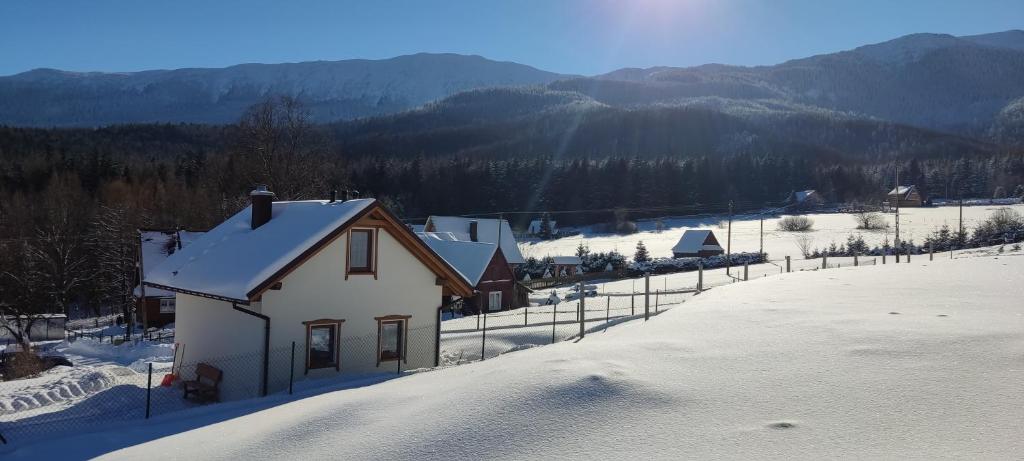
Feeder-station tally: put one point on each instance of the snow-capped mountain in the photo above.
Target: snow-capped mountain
(332, 90)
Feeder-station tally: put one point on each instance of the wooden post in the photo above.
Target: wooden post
(824, 261)
(656, 292)
(647, 296)
(554, 320)
(526, 315)
(855, 261)
(700, 276)
(883, 257)
(931, 252)
(607, 312)
(483, 340)
(746, 271)
(787, 264)
(583, 312)
(908, 254)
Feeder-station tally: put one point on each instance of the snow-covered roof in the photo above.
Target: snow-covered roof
(488, 231)
(800, 196)
(902, 190)
(156, 246)
(534, 227)
(232, 259)
(470, 259)
(692, 241)
(567, 260)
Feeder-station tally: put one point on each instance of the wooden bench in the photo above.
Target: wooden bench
(206, 386)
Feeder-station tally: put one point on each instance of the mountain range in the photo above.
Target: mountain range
(922, 87)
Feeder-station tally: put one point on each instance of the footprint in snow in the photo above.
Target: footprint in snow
(894, 313)
(942, 315)
(781, 425)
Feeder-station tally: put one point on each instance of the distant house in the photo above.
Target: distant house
(806, 199)
(155, 307)
(906, 196)
(496, 231)
(566, 266)
(345, 281)
(534, 227)
(484, 267)
(697, 243)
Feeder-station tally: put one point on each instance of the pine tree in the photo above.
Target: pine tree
(641, 254)
(545, 227)
(582, 251)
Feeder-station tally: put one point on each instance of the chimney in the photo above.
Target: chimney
(473, 234)
(262, 204)
(334, 196)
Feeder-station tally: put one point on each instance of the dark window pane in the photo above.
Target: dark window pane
(359, 251)
(390, 340)
(321, 346)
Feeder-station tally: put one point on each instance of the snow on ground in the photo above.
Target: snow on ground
(915, 224)
(909, 361)
(97, 367)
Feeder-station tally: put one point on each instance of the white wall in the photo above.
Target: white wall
(318, 289)
(210, 330)
(213, 332)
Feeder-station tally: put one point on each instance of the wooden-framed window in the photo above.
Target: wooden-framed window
(322, 337)
(392, 332)
(362, 252)
(494, 301)
(167, 305)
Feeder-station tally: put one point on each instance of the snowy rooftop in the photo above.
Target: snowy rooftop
(470, 259)
(156, 246)
(803, 195)
(488, 231)
(692, 241)
(232, 259)
(902, 190)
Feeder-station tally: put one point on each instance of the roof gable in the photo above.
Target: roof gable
(470, 259)
(488, 231)
(694, 240)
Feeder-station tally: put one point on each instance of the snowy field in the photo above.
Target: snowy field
(915, 225)
(910, 361)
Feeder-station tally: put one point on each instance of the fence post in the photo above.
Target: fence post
(583, 310)
(931, 252)
(483, 339)
(883, 257)
(787, 264)
(824, 261)
(896, 251)
(526, 315)
(632, 303)
(908, 255)
(647, 296)
(700, 276)
(856, 262)
(149, 388)
(746, 271)
(554, 320)
(656, 292)
(291, 370)
(607, 312)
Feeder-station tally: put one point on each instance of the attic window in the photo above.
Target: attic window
(360, 251)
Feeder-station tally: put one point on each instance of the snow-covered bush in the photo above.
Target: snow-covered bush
(796, 224)
(670, 265)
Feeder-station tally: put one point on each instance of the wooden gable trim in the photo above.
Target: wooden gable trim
(397, 230)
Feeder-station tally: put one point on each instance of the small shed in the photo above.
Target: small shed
(697, 243)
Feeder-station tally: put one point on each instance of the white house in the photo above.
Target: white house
(697, 243)
(347, 282)
(495, 231)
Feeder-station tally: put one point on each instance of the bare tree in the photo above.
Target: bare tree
(114, 245)
(22, 302)
(281, 147)
(804, 242)
(870, 220)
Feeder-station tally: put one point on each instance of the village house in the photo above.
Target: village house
(697, 243)
(484, 267)
(905, 196)
(346, 281)
(805, 200)
(535, 226)
(155, 307)
(496, 231)
(565, 266)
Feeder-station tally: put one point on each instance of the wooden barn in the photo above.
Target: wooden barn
(906, 196)
(697, 243)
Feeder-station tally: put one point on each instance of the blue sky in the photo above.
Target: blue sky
(569, 36)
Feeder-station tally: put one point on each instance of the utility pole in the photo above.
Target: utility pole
(960, 236)
(762, 237)
(896, 243)
(728, 244)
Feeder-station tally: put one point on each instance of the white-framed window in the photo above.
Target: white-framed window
(166, 305)
(494, 301)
